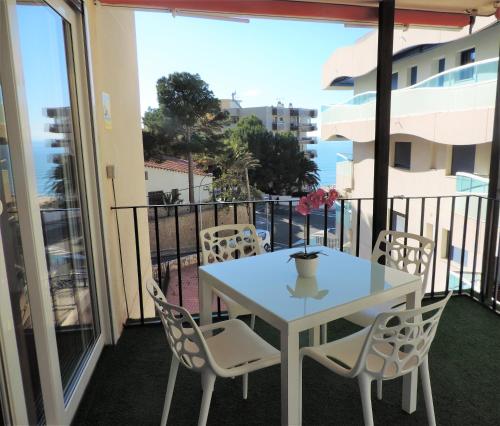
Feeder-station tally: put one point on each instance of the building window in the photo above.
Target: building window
(394, 81)
(467, 57)
(402, 155)
(413, 75)
(398, 222)
(441, 65)
(456, 255)
(463, 158)
(441, 68)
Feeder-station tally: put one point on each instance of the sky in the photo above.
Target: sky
(264, 61)
(44, 64)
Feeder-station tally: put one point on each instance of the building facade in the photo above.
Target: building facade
(278, 119)
(443, 100)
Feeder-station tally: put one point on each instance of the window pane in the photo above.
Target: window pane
(402, 155)
(394, 81)
(413, 75)
(467, 57)
(45, 46)
(463, 159)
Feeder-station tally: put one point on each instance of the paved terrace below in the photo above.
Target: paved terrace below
(129, 382)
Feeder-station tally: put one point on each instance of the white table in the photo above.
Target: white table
(269, 287)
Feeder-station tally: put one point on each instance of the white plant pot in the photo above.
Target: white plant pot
(306, 268)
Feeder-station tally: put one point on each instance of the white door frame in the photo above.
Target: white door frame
(11, 381)
(57, 411)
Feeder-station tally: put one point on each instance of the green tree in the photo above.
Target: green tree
(188, 120)
(231, 167)
(284, 169)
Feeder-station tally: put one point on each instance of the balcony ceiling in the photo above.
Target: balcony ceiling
(445, 13)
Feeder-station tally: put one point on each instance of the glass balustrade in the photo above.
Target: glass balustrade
(477, 72)
(471, 73)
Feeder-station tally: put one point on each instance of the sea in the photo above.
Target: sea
(329, 152)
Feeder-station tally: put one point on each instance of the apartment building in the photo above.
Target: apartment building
(443, 98)
(278, 119)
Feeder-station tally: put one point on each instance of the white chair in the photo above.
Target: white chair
(403, 251)
(225, 349)
(396, 344)
(228, 242)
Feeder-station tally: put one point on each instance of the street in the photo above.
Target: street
(281, 226)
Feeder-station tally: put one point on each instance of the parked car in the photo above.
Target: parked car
(264, 239)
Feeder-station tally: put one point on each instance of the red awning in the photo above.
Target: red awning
(300, 9)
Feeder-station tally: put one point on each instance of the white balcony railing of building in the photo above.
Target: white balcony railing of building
(468, 87)
(344, 173)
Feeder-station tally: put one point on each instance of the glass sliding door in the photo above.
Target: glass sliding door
(46, 53)
(16, 282)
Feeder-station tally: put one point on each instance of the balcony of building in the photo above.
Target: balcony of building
(307, 127)
(135, 241)
(129, 383)
(471, 184)
(142, 357)
(452, 107)
(308, 140)
(344, 173)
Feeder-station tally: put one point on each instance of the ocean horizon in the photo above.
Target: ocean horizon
(327, 158)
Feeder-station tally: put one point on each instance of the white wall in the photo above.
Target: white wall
(114, 71)
(166, 180)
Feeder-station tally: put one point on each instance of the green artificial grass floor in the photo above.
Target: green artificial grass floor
(130, 379)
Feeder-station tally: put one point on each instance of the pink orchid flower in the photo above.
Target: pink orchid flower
(303, 207)
(331, 197)
(315, 199)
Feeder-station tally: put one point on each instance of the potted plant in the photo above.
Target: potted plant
(307, 262)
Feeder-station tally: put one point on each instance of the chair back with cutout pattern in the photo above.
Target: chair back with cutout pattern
(183, 335)
(228, 242)
(406, 252)
(399, 341)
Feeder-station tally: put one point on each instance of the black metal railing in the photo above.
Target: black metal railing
(456, 223)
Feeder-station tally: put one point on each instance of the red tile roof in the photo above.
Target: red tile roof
(174, 165)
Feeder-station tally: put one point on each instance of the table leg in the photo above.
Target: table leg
(410, 381)
(205, 296)
(290, 404)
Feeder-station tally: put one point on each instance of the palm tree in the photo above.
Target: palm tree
(243, 160)
(231, 166)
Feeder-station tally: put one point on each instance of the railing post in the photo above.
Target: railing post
(382, 115)
(342, 205)
(476, 241)
(436, 235)
(272, 225)
(138, 260)
(358, 228)
(178, 247)
(450, 243)
(325, 227)
(464, 237)
(158, 251)
(197, 231)
(491, 225)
